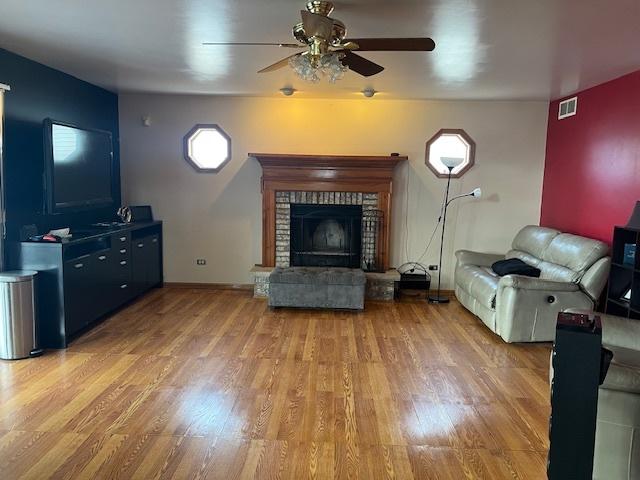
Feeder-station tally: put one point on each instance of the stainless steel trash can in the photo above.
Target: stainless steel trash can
(18, 330)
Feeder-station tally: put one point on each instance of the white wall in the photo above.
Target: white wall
(218, 216)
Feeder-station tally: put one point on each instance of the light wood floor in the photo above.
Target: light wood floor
(212, 384)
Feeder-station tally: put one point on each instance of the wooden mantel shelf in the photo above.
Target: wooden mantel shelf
(327, 161)
(327, 172)
(324, 173)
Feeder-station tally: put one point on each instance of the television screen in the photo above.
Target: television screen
(80, 171)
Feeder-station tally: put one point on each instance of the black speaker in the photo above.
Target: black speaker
(414, 283)
(579, 366)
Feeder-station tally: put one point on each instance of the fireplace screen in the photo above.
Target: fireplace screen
(326, 235)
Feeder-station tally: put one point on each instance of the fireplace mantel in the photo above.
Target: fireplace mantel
(334, 173)
(324, 173)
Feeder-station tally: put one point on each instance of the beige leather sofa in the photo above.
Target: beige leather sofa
(574, 271)
(617, 452)
(617, 448)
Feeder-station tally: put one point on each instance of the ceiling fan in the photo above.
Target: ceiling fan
(327, 50)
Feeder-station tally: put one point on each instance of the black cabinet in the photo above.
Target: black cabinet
(145, 255)
(138, 263)
(78, 293)
(153, 263)
(85, 278)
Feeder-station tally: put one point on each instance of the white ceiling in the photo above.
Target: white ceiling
(493, 49)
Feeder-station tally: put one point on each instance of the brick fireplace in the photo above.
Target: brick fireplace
(288, 180)
(330, 206)
(322, 185)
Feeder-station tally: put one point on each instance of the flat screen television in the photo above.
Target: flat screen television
(80, 170)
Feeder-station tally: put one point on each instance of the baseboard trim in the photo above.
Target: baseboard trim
(411, 293)
(248, 287)
(212, 286)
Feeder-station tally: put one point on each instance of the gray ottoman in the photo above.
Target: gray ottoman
(317, 287)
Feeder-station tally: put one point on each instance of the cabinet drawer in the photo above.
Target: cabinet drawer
(123, 253)
(118, 239)
(124, 292)
(122, 270)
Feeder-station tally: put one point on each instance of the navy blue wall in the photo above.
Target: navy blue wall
(39, 92)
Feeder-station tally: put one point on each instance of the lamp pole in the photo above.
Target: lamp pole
(438, 298)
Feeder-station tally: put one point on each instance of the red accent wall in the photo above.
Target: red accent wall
(592, 168)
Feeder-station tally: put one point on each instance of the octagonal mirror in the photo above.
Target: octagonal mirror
(207, 148)
(450, 148)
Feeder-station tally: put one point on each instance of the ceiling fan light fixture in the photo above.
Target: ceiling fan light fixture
(329, 53)
(312, 70)
(301, 65)
(332, 66)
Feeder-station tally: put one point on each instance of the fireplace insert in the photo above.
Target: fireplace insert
(326, 235)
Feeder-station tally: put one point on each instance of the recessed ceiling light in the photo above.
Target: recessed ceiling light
(369, 92)
(287, 91)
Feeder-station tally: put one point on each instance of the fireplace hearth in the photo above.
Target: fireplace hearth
(326, 235)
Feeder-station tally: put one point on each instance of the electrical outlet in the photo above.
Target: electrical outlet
(201, 261)
(433, 268)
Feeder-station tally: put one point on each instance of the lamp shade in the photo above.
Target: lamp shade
(451, 162)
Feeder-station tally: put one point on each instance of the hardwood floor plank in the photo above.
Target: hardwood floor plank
(203, 384)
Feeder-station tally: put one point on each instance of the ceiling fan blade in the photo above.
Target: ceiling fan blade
(278, 65)
(316, 25)
(360, 65)
(285, 45)
(393, 44)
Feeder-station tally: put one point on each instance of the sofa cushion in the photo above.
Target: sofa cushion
(534, 240)
(318, 276)
(479, 282)
(624, 371)
(558, 273)
(561, 257)
(525, 257)
(548, 270)
(574, 252)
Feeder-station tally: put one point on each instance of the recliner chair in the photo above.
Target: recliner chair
(574, 271)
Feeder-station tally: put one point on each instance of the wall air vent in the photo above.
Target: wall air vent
(567, 108)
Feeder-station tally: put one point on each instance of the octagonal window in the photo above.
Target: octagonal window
(450, 150)
(207, 148)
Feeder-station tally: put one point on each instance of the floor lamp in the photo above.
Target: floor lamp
(450, 163)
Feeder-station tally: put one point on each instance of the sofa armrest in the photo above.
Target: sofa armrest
(616, 331)
(620, 332)
(595, 278)
(527, 308)
(532, 283)
(467, 257)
